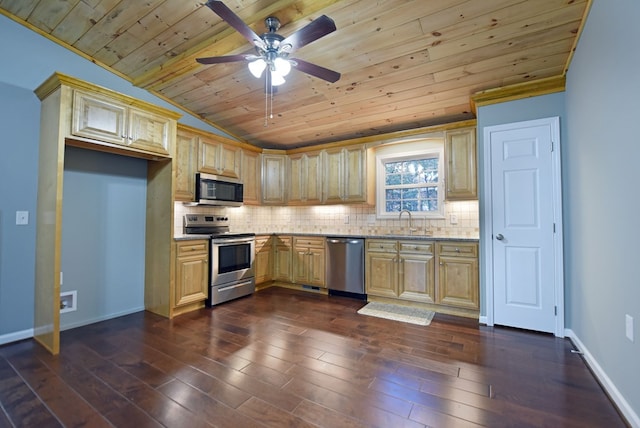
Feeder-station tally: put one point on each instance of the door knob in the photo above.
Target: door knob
(499, 237)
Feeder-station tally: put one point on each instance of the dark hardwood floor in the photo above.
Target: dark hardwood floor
(284, 358)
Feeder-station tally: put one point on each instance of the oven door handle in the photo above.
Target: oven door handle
(224, 241)
(230, 287)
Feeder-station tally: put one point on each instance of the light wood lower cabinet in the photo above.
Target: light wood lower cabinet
(405, 270)
(458, 275)
(192, 272)
(263, 263)
(400, 270)
(309, 260)
(283, 257)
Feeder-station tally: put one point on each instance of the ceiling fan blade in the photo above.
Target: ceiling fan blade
(222, 59)
(234, 20)
(315, 70)
(318, 28)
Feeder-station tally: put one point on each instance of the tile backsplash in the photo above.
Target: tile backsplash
(332, 220)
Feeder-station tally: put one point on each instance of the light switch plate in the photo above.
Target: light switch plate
(629, 327)
(453, 219)
(22, 217)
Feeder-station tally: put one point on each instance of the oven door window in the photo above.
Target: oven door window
(233, 257)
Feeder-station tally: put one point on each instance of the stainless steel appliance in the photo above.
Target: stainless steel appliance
(345, 267)
(231, 273)
(217, 190)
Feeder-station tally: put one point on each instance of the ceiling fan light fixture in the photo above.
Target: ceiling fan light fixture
(283, 66)
(276, 78)
(257, 67)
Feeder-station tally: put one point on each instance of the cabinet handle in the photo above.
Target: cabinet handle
(416, 247)
(441, 263)
(457, 250)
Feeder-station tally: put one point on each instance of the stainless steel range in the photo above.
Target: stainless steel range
(231, 257)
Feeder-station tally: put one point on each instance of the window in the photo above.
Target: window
(410, 181)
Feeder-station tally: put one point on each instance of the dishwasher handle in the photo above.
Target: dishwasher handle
(342, 241)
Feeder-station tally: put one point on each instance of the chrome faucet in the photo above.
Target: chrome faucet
(411, 229)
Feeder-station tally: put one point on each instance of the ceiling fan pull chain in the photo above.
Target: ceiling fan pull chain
(266, 100)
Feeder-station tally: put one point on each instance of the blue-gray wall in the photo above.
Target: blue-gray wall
(27, 60)
(103, 234)
(600, 157)
(602, 203)
(19, 133)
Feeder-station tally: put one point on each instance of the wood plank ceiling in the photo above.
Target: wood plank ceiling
(404, 64)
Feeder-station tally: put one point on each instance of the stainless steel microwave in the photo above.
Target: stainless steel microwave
(217, 190)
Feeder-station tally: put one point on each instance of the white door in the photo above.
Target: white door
(524, 225)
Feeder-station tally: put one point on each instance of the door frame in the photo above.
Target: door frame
(486, 235)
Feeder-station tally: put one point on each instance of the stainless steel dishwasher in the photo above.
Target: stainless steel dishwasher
(345, 267)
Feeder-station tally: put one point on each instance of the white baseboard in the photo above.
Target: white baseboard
(69, 326)
(29, 333)
(482, 319)
(15, 336)
(632, 417)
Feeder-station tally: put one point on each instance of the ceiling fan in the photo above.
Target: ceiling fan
(272, 49)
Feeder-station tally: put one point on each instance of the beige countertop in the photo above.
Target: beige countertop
(390, 236)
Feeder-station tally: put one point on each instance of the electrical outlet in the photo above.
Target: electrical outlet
(629, 327)
(346, 219)
(22, 218)
(371, 219)
(453, 219)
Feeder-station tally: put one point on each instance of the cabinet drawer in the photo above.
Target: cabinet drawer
(192, 247)
(262, 242)
(381, 245)
(416, 247)
(458, 249)
(304, 241)
(283, 241)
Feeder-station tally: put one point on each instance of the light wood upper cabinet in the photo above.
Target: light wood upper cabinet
(305, 183)
(345, 175)
(219, 158)
(274, 172)
(186, 160)
(251, 177)
(100, 118)
(192, 272)
(461, 169)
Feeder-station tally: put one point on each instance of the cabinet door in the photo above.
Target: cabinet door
(263, 262)
(416, 277)
(458, 282)
(316, 270)
(382, 274)
(460, 155)
(230, 161)
(296, 180)
(273, 179)
(192, 272)
(333, 176)
(305, 179)
(98, 118)
(209, 156)
(283, 256)
(355, 174)
(251, 177)
(300, 265)
(149, 131)
(186, 160)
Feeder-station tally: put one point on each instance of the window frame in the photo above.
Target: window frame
(382, 158)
